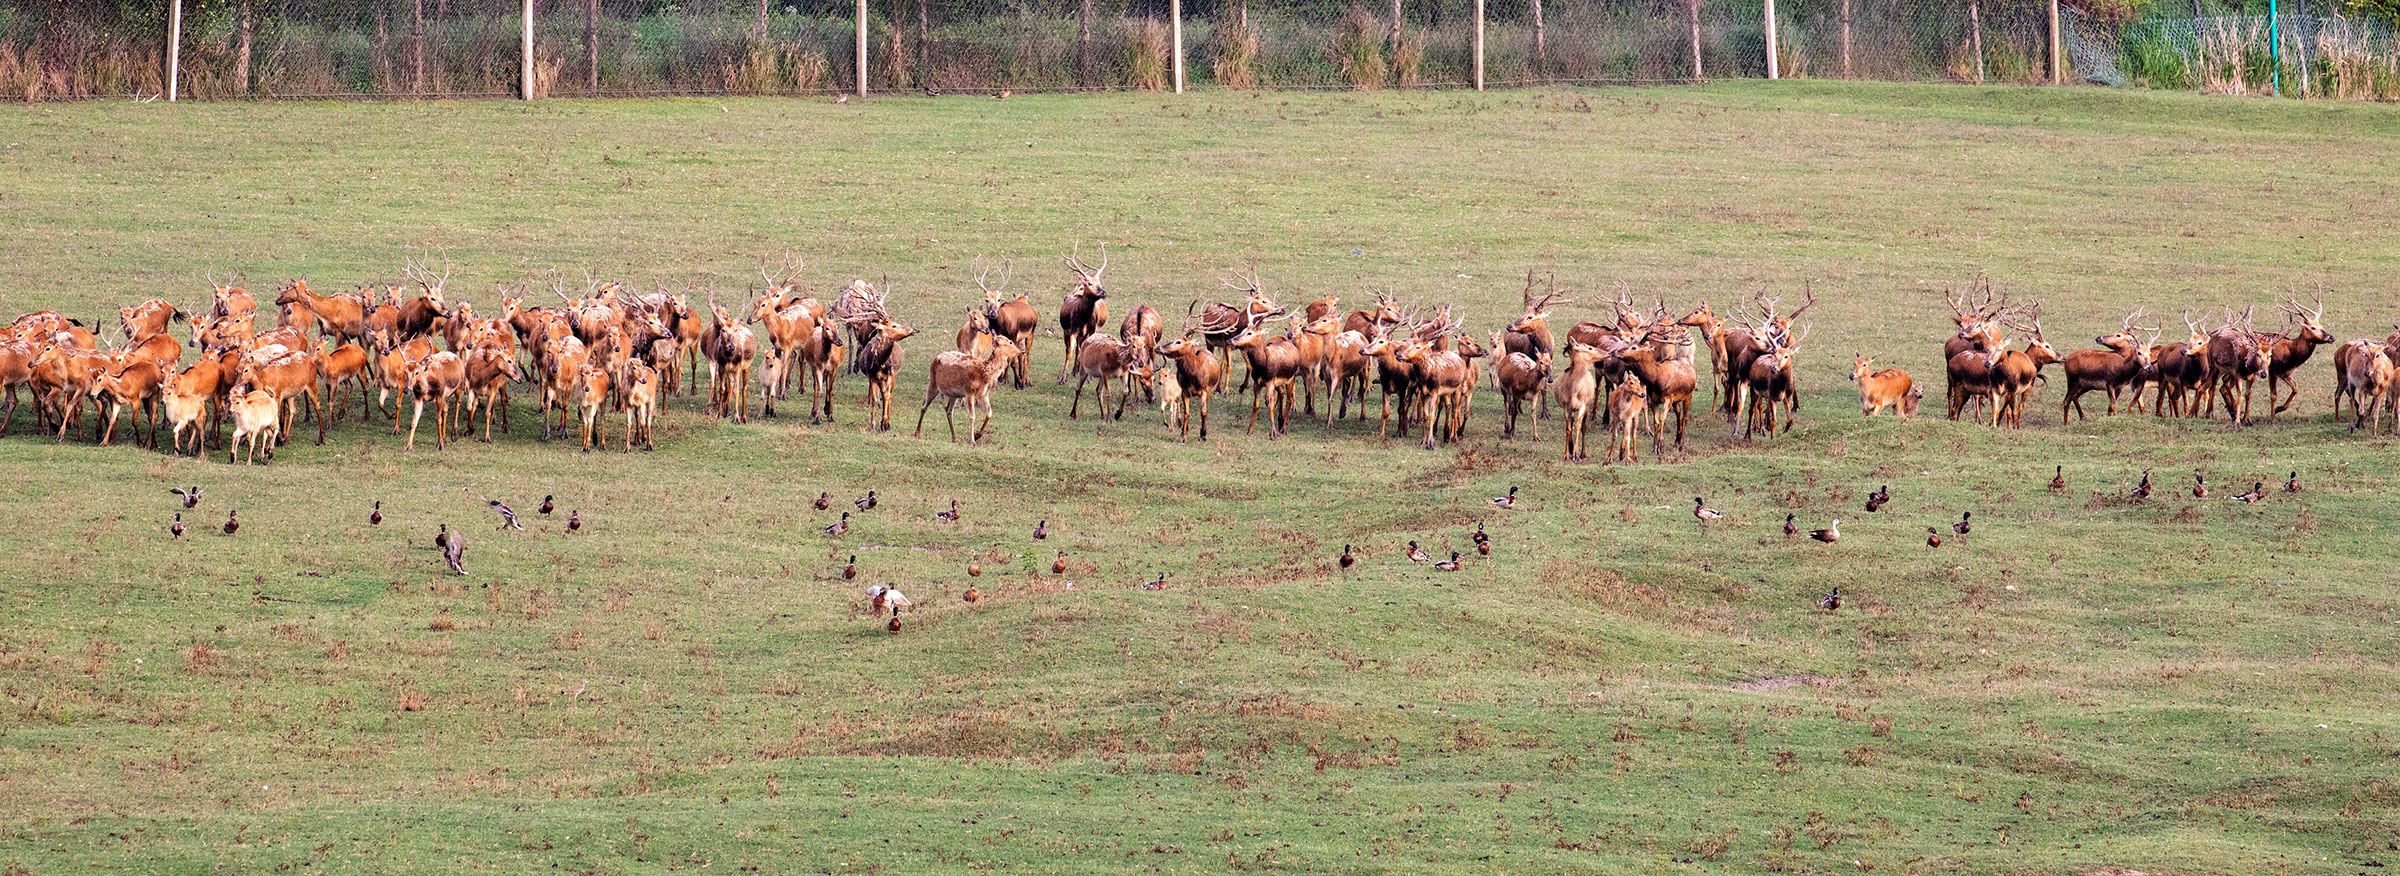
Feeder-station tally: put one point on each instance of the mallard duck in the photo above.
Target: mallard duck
(972, 594)
(875, 597)
(454, 553)
(1416, 554)
(1058, 565)
(1933, 537)
(1789, 527)
(508, 517)
(375, 517)
(2292, 484)
(442, 539)
(1041, 530)
(1508, 501)
(824, 501)
(1484, 548)
(575, 520)
(1832, 602)
(893, 625)
(839, 527)
(950, 516)
(177, 527)
(850, 571)
(1702, 511)
(1449, 565)
(1348, 559)
(2199, 487)
(1158, 583)
(1830, 534)
(230, 523)
(1876, 500)
(2141, 491)
(547, 506)
(2058, 481)
(974, 568)
(2257, 491)
(866, 502)
(191, 495)
(1479, 536)
(1963, 526)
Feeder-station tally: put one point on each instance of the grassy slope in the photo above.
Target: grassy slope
(2082, 683)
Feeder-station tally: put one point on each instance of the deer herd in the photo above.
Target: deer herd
(609, 353)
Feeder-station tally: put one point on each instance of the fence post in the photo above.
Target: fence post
(1693, 6)
(1975, 35)
(1772, 61)
(525, 52)
(1175, 11)
(1478, 45)
(2275, 48)
(862, 48)
(2058, 72)
(174, 49)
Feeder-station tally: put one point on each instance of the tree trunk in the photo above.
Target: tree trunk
(1541, 45)
(1692, 7)
(1084, 74)
(924, 44)
(760, 26)
(1846, 74)
(591, 46)
(1975, 36)
(243, 30)
(1394, 37)
(416, 49)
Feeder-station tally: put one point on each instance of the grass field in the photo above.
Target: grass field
(2082, 684)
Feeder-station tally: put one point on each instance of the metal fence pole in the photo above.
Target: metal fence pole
(1478, 45)
(525, 52)
(862, 48)
(1175, 13)
(174, 47)
(2275, 48)
(1773, 72)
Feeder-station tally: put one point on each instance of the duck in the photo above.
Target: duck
(442, 539)
(1041, 530)
(1933, 537)
(2257, 491)
(972, 594)
(508, 516)
(1832, 602)
(375, 517)
(2141, 492)
(1480, 538)
(177, 527)
(1449, 565)
(824, 501)
(839, 527)
(547, 505)
(875, 597)
(1963, 525)
(950, 516)
(1158, 583)
(230, 523)
(1348, 559)
(866, 502)
(893, 625)
(1058, 565)
(575, 520)
(974, 568)
(2199, 487)
(2292, 484)
(2058, 480)
(1416, 554)
(1701, 510)
(1830, 534)
(850, 571)
(1789, 527)
(191, 496)
(1505, 502)
(1877, 499)
(1484, 548)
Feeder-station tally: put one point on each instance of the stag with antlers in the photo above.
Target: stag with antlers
(2237, 355)
(2108, 370)
(2288, 351)
(1084, 310)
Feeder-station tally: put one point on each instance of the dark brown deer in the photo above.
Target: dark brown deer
(1769, 384)
(2287, 352)
(1084, 311)
(1522, 379)
(1668, 378)
(1108, 361)
(2176, 370)
(2236, 357)
(1372, 322)
(1011, 318)
(878, 360)
(2017, 371)
(2106, 370)
(1274, 362)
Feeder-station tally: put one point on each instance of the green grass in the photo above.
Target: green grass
(2181, 687)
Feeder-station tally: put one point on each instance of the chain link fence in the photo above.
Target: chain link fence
(69, 49)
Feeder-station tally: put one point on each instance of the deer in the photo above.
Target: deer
(1274, 362)
(344, 364)
(1314, 337)
(229, 300)
(2108, 370)
(1662, 361)
(1712, 329)
(137, 383)
(823, 354)
(1140, 332)
(1220, 322)
(290, 374)
(641, 405)
(1627, 402)
(596, 389)
(878, 360)
(562, 364)
(1373, 321)
(418, 315)
(2176, 370)
(1198, 374)
(16, 369)
(1107, 360)
(1530, 333)
(788, 328)
(255, 412)
(392, 373)
(438, 379)
(184, 411)
(63, 376)
(2236, 356)
(1084, 311)
(1769, 383)
(337, 318)
(967, 376)
(1346, 367)
(2016, 371)
(731, 348)
(2345, 359)
(149, 318)
(1011, 318)
(1880, 389)
(1575, 389)
(2287, 352)
(1521, 378)
(490, 369)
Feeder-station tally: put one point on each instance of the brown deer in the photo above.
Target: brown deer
(142, 321)
(1198, 374)
(137, 383)
(1530, 333)
(823, 354)
(2176, 370)
(63, 377)
(490, 370)
(1626, 403)
(16, 369)
(1084, 311)
(878, 360)
(254, 417)
(1140, 332)
(2016, 371)
(418, 315)
(1274, 362)
(788, 329)
(1769, 383)
(1575, 389)
(1522, 378)
(2287, 352)
(1663, 363)
(1220, 322)
(562, 362)
(228, 299)
(2108, 370)
(184, 411)
(1106, 360)
(641, 406)
(731, 348)
(596, 388)
(344, 364)
(2371, 377)
(1712, 330)
(337, 318)
(1346, 365)
(1879, 389)
(1372, 322)
(437, 379)
(392, 374)
(2236, 357)
(2345, 358)
(290, 374)
(1011, 318)
(966, 376)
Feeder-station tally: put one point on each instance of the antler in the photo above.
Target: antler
(1249, 278)
(791, 266)
(1088, 273)
(1007, 269)
(1807, 289)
